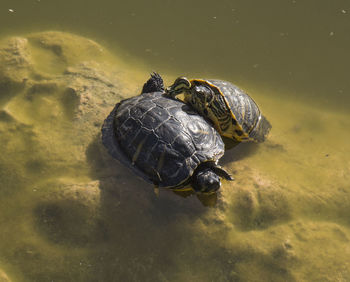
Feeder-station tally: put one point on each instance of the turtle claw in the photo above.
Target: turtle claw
(154, 84)
(222, 173)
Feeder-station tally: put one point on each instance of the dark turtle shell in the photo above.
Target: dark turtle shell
(246, 123)
(160, 139)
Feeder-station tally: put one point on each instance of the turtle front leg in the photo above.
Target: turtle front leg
(171, 93)
(222, 172)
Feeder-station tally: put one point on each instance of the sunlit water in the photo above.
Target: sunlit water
(285, 218)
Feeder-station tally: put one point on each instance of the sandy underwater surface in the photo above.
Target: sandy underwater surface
(69, 212)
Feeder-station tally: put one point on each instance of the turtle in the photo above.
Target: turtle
(234, 113)
(164, 141)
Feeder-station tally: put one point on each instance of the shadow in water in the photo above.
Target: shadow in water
(237, 151)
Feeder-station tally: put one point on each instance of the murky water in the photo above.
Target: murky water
(71, 213)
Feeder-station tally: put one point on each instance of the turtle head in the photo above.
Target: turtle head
(154, 84)
(180, 85)
(201, 97)
(206, 181)
(207, 178)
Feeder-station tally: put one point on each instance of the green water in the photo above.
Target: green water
(286, 216)
(297, 48)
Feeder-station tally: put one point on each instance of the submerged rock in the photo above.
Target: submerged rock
(67, 211)
(62, 87)
(15, 67)
(254, 201)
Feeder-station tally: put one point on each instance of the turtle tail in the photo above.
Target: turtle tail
(261, 130)
(154, 84)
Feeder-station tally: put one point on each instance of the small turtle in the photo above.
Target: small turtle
(234, 113)
(164, 141)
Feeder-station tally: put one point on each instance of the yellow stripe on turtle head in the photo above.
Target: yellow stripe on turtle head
(235, 130)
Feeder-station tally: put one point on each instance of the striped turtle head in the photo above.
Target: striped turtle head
(209, 102)
(202, 98)
(181, 84)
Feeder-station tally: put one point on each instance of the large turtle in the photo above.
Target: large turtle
(164, 141)
(234, 113)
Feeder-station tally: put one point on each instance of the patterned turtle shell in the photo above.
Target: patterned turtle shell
(234, 113)
(162, 140)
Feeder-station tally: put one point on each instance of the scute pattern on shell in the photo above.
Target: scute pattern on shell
(163, 139)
